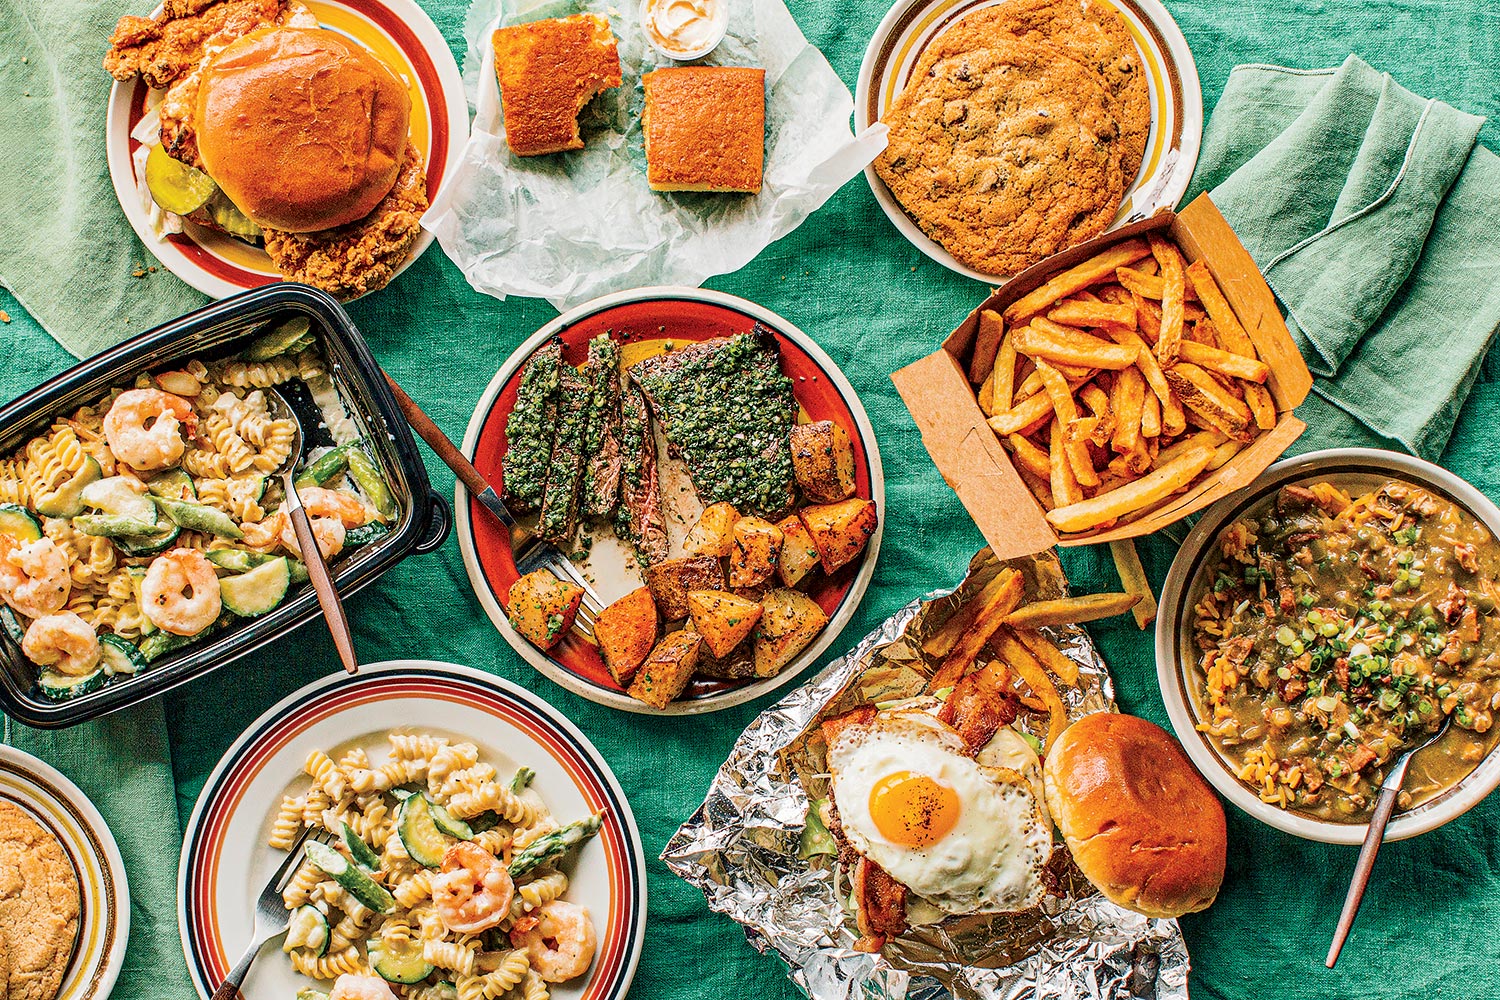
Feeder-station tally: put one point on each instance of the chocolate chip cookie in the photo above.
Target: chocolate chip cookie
(1003, 151)
(39, 906)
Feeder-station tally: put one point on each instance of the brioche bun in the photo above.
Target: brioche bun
(302, 129)
(1141, 823)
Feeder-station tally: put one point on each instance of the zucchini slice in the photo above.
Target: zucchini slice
(419, 833)
(447, 823)
(19, 523)
(403, 965)
(308, 993)
(359, 885)
(237, 560)
(360, 851)
(174, 484)
(117, 656)
(150, 544)
(258, 591)
(121, 496)
(61, 687)
(308, 928)
(66, 500)
(199, 517)
(284, 338)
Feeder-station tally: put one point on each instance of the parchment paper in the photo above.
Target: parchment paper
(572, 226)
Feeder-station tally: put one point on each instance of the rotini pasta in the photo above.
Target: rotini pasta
(288, 823)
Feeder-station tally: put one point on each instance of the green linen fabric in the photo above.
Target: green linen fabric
(74, 267)
(1372, 214)
(875, 303)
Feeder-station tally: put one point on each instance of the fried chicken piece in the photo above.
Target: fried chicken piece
(362, 256)
(161, 49)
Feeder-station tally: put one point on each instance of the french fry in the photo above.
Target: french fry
(1192, 312)
(1133, 578)
(1075, 312)
(1048, 655)
(1151, 416)
(1130, 392)
(1029, 456)
(1060, 345)
(1075, 373)
(1215, 360)
(986, 394)
(1159, 484)
(1021, 416)
(1147, 265)
(1067, 412)
(1232, 337)
(1001, 602)
(1210, 439)
(1082, 430)
(1223, 453)
(986, 346)
(1025, 666)
(1064, 484)
(1097, 400)
(1076, 278)
(941, 642)
(1004, 375)
(1208, 400)
(1146, 284)
(1173, 294)
(1070, 610)
(1172, 419)
(1201, 332)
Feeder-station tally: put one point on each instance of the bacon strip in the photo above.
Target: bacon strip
(880, 905)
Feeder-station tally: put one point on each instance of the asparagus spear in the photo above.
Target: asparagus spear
(550, 846)
(521, 780)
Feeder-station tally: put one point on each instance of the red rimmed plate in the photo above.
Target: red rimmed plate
(397, 31)
(644, 321)
(225, 861)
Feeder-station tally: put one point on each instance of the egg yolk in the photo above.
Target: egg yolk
(913, 810)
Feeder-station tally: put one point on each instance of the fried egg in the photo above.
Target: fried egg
(965, 836)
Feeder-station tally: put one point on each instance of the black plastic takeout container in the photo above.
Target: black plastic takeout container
(421, 524)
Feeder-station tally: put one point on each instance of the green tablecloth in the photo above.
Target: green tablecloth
(850, 281)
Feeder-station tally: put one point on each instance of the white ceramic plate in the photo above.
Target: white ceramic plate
(405, 39)
(1171, 75)
(648, 317)
(104, 919)
(1175, 665)
(225, 860)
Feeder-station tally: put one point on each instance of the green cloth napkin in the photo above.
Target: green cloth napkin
(1376, 220)
(67, 252)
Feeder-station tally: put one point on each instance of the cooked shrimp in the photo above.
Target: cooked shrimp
(181, 592)
(330, 513)
(142, 428)
(560, 940)
(64, 642)
(34, 577)
(474, 891)
(354, 987)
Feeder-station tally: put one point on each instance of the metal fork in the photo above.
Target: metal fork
(531, 553)
(271, 914)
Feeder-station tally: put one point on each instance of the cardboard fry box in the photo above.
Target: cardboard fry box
(976, 464)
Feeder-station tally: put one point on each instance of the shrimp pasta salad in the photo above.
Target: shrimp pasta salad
(429, 876)
(151, 517)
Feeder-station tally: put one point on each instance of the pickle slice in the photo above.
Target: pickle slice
(175, 186)
(231, 219)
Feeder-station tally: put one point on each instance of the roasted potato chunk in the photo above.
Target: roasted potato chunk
(712, 535)
(671, 580)
(667, 669)
(798, 553)
(542, 607)
(823, 461)
(789, 621)
(840, 530)
(757, 550)
(722, 619)
(626, 632)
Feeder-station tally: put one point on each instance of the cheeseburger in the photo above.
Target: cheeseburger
(281, 134)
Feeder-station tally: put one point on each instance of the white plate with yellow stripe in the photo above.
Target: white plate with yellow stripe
(1172, 82)
(104, 914)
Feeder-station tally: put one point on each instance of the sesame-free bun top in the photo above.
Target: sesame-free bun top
(302, 129)
(1141, 823)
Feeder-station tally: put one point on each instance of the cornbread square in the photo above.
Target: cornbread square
(705, 128)
(548, 70)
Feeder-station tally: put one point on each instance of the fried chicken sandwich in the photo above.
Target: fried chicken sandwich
(279, 133)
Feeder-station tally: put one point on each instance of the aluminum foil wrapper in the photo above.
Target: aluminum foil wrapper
(741, 847)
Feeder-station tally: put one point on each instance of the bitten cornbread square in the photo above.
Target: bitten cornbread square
(705, 128)
(548, 70)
